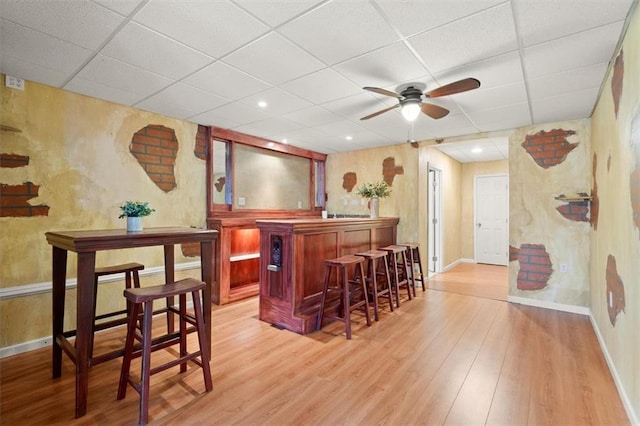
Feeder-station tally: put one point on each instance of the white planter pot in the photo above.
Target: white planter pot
(375, 207)
(134, 224)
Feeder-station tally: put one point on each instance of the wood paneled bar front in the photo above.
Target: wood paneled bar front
(292, 255)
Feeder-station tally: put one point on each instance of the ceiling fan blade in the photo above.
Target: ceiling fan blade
(434, 111)
(375, 114)
(455, 87)
(383, 92)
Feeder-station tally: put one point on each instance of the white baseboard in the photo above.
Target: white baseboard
(457, 262)
(582, 310)
(633, 417)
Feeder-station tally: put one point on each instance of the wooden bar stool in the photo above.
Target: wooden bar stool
(142, 299)
(414, 257)
(377, 268)
(398, 266)
(343, 287)
(131, 277)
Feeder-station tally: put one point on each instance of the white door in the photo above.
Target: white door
(434, 225)
(491, 219)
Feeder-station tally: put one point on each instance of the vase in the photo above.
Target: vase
(374, 205)
(134, 224)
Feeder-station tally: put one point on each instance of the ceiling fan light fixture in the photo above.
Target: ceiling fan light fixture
(411, 110)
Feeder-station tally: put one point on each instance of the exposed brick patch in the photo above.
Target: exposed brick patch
(202, 139)
(349, 181)
(535, 267)
(156, 147)
(615, 291)
(616, 81)
(575, 210)
(14, 201)
(190, 249)
(13, 160)
(513, 253)
(390, 170)
(595, 201)
(219, 185)
(550, 148)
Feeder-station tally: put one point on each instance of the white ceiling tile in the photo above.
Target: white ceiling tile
(492, 149)
(576, 51)
(274, 60)
(238, 113)
(150, 50)
(480, 36)
(226, 81)
(101, 91)
(504, 115)
(123, 7)
(322, 86)
(340, 30)
(269, 127)
(565, 107)
(118, 75)
(275, 13)
(213, 118)
(278, 101)
(213, 27)
(181, 100)
(312, 116)
(82, 23)
(355, 106)
(492, 72)
(17, 67)
(411, 17)
(388, 66)
(476, 100)
(34, 47)
(543, 21)
(573, 80)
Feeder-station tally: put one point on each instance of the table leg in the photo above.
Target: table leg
(59, 276)
(206, 265)
(84, 319)
(169, 277)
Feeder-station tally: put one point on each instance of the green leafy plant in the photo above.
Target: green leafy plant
(135, 209)
(378, 189)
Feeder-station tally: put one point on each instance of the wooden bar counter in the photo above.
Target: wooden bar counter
(292, 255)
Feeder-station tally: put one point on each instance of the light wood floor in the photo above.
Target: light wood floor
(490, 281)
(442, 358)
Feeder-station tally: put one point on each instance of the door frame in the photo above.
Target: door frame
(437, 212)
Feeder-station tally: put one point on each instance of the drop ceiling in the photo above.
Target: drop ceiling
(211, 62)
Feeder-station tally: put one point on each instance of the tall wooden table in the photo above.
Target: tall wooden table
(86, 244)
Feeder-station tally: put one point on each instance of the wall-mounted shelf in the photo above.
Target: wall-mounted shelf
(578, 197)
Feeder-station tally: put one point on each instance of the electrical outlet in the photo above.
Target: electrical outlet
(241, 201)
(14, 82)
(564, 267)
(299, 204)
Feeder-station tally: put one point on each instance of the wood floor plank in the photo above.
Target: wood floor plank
(443, 357)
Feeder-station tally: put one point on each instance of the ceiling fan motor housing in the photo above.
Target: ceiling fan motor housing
(411, 95)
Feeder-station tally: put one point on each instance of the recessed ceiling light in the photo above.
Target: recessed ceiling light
(349, 138)
(476, 150)
(285, 141)
(262, 104)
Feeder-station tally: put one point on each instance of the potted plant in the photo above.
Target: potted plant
(374, 191)
(134, 211)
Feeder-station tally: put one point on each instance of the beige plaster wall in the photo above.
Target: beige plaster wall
(467, 191)
(367, 164)
(79, 155)
(616, 234)
(534, 219)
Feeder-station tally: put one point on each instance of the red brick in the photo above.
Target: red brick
(160, 151)
(146, 140)
(156, 168)
(13, 160)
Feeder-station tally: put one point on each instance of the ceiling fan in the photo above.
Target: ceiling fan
(410, 98)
